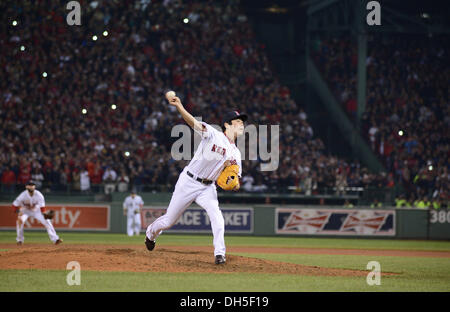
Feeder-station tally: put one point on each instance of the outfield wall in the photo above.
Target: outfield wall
(258, 220)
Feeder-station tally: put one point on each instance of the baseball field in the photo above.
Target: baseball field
(184, 263)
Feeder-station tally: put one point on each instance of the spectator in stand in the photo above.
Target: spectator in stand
(401, 201)
(76, 182)
(139, 178)
(85, 182)
(123, 182)
(37, 177)
(64, 180)
(8, 180)
(24, 173)
(109, 180)
(376, 204)
(247, 183)
(348, 204)
(341, 182)
(96, 178)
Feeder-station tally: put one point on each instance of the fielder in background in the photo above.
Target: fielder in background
(217, 159)
(31, 203)
(132, 207)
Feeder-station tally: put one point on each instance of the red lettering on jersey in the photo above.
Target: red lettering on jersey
(218, 149)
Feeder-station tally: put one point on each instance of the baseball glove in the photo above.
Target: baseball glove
(229, 179)
(49, 214)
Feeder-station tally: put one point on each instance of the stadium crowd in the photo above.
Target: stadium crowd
(83, 107)
(407, 116)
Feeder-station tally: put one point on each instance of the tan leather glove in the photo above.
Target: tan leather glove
(229, 179)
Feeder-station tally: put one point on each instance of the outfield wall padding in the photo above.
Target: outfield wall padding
(300, 220)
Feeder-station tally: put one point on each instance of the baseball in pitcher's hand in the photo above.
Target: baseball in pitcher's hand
(175, 101)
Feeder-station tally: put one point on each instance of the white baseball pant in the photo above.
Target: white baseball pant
(188, 190)
(133, 223)
(26, 213)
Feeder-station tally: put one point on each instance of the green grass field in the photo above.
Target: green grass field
(418, 274)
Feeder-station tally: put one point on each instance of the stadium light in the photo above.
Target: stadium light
(127, 154)
(430, 168)
(22, 48)
(400, 133)
(105, 33)
(186, 20)
(84, 111)
(44, 74)
(114, 106)
(94, 37)
(14, 23)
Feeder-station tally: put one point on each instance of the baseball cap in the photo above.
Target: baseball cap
(30, 183)
(233, 115)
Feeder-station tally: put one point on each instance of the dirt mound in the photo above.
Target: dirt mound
(138, 259)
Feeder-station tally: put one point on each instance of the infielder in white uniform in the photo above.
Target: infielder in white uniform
(31, 203)
(132, 207)
(196, 182)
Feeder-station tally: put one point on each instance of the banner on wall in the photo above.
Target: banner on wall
(237, 220)
(73, 217)
(335, 222)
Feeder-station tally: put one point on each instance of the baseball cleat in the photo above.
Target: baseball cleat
(19, 243)
(59, 241)
(150, 244)
(220, 259)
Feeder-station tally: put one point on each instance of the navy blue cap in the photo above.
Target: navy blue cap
(232, 116)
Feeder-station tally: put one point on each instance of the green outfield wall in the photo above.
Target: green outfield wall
(248, 219)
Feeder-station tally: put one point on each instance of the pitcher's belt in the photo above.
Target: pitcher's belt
(204, 181)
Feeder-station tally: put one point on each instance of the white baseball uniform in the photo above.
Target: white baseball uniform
(30, 206)
(208, 162)
(133, 207)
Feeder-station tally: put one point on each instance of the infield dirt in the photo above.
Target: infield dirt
(136, 258)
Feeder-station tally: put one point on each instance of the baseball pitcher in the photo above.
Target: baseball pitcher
(31, 203)
(217, 159)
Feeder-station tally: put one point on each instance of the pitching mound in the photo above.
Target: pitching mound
(132, 258)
